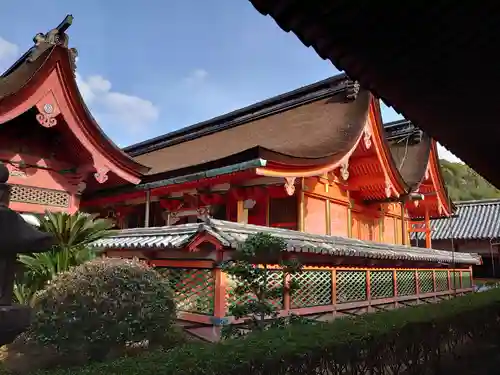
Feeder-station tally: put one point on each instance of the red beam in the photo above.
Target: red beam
(164, 190)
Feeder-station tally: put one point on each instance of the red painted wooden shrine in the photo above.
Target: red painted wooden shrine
(50, 142)
(317, 161)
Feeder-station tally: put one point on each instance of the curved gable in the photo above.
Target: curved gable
(433, 190)
(372, 173)
(44, 79)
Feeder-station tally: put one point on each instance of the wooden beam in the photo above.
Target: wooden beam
(358, 182)
(428, 238)
(364, 161)
(241, 213)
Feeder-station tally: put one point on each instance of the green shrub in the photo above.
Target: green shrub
(408, 340)
(101, 306)
(254, 296)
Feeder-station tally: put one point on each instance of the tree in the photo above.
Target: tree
(74, 233)
(464, 184)
(252, 288)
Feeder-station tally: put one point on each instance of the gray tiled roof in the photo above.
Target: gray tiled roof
(232, 235)
(473, 220)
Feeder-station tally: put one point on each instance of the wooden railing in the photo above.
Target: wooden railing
(323, 293)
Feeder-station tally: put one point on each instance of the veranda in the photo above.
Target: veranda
(341, 276)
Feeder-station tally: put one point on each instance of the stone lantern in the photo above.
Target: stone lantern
(16, 237)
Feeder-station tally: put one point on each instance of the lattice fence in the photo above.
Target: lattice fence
(455, 279)
(466, 279)
(314, 289)
(442, 281)
(351, 286)
(381, 284)
(275, 280)
(425, 281)
(33, 195)
(193, 289)
(406, 283)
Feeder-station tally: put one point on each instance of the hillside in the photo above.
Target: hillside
(465, 184)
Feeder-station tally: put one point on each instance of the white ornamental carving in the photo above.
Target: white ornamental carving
(344, 170)
(367, 136)
(290, 185)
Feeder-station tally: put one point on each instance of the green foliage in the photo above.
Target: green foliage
(252, 285)
(465, 184)
(101, 305)
(74, 233)
(414, 340)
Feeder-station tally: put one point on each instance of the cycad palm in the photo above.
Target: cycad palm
(73, 233)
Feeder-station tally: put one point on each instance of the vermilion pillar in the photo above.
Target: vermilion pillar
(428, 240)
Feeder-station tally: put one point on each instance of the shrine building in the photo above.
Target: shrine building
(315, 166)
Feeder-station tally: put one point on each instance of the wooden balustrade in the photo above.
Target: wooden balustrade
(205, 295)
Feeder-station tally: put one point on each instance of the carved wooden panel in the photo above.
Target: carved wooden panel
(34, 195)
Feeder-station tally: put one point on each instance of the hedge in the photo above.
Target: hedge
(411, 340)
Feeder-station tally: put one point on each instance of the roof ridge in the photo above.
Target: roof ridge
(478, 202)
(241, 114)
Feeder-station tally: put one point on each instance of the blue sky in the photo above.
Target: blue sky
(148, 67)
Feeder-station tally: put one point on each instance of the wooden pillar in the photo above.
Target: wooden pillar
(395, 282)
(147, 208)
(334, 287)
(286, 293)
(268, 212)
(328, 217)
(302, 209)
(404, 231)
(471, 277)
(349, 215)
(428, 239)
(368, 286)
(241, 213)
(417, 283)
(395, 287)
(434, 286)
(220, 293)
(449, 280)
(381, 229)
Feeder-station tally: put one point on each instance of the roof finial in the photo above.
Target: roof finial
(55, 36)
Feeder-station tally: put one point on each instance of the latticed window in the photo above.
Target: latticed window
(34, 195)
(351, 286)
(442, 281)
(193, 289)
(283, 212)
(426, 282)
(455, 279)
(274, 279)
(406, 283)
(314, 289)
(381, 284)
(466, 279)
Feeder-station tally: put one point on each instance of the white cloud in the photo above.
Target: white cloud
(8, 53)
(119, 110)
(196, 76)
(447, 155)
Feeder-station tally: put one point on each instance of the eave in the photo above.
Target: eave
(316, 124)
(230, 173)
(433, 188)
(53, 83)
(230, 236)
(280, 103)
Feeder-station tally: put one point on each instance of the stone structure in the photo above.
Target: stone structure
(16, 236)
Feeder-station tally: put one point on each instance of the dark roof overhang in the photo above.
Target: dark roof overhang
(416, 57)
